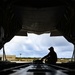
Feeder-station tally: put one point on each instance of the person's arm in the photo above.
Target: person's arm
(45, 56)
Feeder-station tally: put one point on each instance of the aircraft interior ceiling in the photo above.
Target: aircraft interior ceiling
(19, 17)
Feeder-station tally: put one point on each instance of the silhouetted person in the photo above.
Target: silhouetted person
(51, 57)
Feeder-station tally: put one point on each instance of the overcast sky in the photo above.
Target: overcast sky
(35, 45)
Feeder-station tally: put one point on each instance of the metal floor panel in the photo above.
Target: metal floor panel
(38, 69)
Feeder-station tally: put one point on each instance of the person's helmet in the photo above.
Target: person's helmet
(51, 49)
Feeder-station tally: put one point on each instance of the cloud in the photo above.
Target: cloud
(64, 51)
(37, 46)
